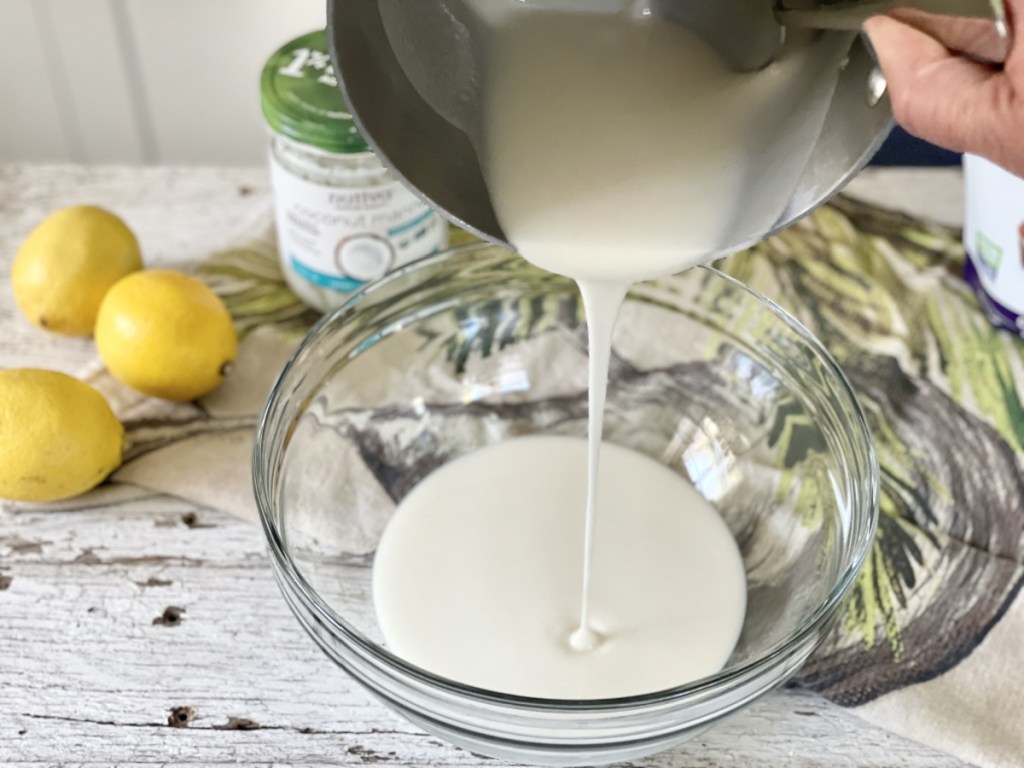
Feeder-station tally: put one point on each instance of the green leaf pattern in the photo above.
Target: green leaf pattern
(883, 292)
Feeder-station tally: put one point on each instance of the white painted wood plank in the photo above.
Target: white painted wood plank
(86, 678)
(32, 121)
(200, 65)
(89, 678)
(96, 73)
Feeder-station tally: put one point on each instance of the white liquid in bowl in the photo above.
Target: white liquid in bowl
(477, 578)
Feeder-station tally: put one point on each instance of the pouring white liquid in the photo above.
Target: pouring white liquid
(619, 149)
(616, 149)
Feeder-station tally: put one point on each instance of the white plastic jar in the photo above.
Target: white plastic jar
(342, 218)
(994, 239)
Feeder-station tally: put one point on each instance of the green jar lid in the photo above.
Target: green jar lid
(301, 99)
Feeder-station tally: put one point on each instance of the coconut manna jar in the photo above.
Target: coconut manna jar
(994, 239)
(342, 218)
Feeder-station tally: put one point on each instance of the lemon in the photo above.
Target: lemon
(67, 264)
(166, 334)
(58, 436)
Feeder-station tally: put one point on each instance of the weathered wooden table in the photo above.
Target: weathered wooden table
(142, 630)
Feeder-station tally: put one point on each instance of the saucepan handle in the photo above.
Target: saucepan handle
(850, 14)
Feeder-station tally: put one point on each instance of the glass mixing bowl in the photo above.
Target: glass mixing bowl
(474, 346)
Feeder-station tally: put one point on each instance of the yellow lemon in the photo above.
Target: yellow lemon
(58, 436)
(166, 334)
(67, 264)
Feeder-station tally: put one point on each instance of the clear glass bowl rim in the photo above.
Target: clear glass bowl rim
(860, 544)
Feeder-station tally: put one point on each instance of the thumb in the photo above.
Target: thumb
(958, 103)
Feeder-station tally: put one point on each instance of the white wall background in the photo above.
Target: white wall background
(140, 81)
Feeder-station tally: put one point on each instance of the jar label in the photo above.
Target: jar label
(994, 239)
(340, 238)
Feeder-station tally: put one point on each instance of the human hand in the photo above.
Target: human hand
(954, 83)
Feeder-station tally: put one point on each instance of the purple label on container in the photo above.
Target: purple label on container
(1001, 317)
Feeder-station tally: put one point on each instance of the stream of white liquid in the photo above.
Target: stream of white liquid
(601, 302)
(616, 148)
